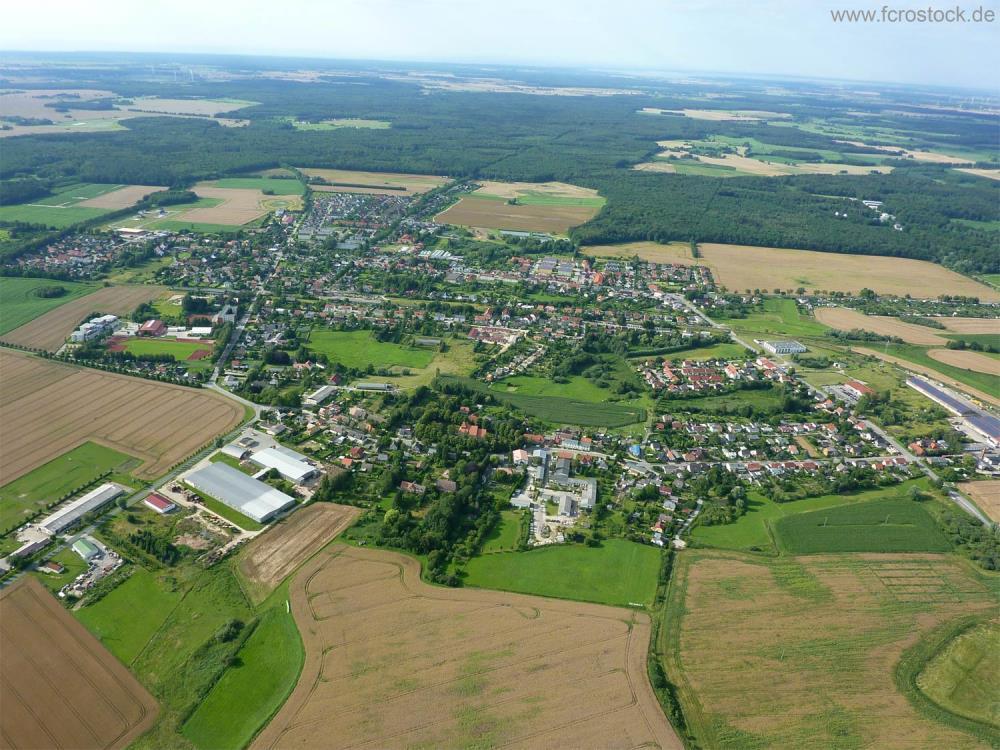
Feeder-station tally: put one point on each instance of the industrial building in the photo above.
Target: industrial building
(157, 502)
(85, 549)
(95, 328)
(784, 347)
(980, 422)
(320, 395)
(242, 493)
(291, 465)
(73, 511)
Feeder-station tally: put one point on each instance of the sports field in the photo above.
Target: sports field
(53, 408)
(50, 330)
(180, 350)
(19, 300)
(442, 667)
(61, 688)
(30, 493)
(273, 556)
(359, 349)
(618, 572)
(390, 183)
(540, 207)
(817, 638)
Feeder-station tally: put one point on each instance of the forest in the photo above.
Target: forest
(588, 140)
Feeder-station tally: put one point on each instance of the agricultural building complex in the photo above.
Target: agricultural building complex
(72, 512)
(784, 347)
(240, 492)
(291, 465)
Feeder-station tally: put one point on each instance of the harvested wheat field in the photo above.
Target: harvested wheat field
(48, 408)
(491, 214)
(61, 688)
(971, 325)
(123, 197)
(274, 555)
(739, 267)
(845, 319)
(930, 372)
(507, 190)
(49, 331)
(390, 183)
(966, 360)
(654, 252)
(239, 206)
(394, 663)
(931, 157)
(986, 495)
(818, 639)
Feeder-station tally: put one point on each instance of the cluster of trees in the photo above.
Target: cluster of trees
(980, 542)
(784, 489)
(859, 334)
(155, 546)
(972, 345)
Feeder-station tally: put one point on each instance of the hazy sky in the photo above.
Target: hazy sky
(781, 37)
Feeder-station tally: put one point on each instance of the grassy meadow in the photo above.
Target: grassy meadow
(20, 303)
(359, 349)
(618, 572)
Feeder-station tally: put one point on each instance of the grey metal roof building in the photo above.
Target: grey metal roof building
(242, 493)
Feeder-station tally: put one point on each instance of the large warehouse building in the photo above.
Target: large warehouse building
(291, 465)
(72, 512)
(242, 493)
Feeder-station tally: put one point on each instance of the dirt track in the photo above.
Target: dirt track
(48, 408)
(61, 688)
(393, 662)
(49, 331)
(272, 556)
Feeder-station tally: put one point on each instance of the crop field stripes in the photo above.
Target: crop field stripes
(920, 582)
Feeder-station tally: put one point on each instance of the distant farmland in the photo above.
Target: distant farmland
(51, 330)
(740, 267)
(19, 300)
(52, 408)
(391, 183)
(70, 205)
(438, 667)
(540, 207)
(61, 687)
(817, 638)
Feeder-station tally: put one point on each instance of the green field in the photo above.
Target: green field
(753, 529)
(249, 693)
(578, 388)
(618, 572)
(30, 493)
(19, 303)
(506, 534)
(918, 355)
(541, 198)
(180, 350)
(725, 403)
(964, 677)
(128, 616)
(359, 349)
(891, 525)
(562, 410)
(780, 317)
(725, 350)
(270, 185)
(59, 210)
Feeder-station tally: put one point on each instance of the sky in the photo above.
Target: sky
(753, 37)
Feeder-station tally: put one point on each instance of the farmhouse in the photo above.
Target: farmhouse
(291, 465)
(159, 503)
(240, 492)
(72, 512)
